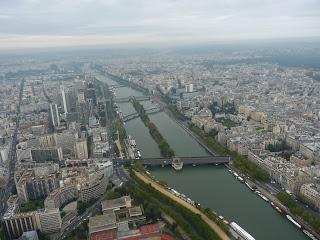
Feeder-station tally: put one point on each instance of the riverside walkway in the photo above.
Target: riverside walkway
(195, 210)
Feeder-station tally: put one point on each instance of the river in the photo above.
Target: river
(212, 186)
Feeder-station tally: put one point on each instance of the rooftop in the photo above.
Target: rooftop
(124, 201)
(135, 211)
(102, 223)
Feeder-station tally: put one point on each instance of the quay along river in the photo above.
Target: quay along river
(211, 186)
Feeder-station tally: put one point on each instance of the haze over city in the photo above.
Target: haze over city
(44, 23)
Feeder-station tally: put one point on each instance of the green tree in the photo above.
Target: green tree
(113, 195)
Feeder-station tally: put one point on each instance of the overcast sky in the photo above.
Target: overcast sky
(46, 23)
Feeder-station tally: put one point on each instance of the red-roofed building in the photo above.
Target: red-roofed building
(104, 235)
(151, 236)
(151, 228)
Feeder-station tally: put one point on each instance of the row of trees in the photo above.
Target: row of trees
(214, 217)
(82, 206)
(164, 146)
(248, 167)
(121, 134)
(287, 200)
(208, 139)
(241, 162)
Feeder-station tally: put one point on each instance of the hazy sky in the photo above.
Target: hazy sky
(43, 23)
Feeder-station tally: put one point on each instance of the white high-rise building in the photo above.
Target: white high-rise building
(64, 101)
(54, 115)
(189, 88)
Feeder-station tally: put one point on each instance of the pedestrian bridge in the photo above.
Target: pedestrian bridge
(127, 99)
(186, 160)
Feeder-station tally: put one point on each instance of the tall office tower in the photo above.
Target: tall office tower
(64, 101)
(71, 98)
(91, 94)
(54, 115)
(189, 88)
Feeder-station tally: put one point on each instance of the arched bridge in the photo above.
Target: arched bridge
(127, 99)
(186, 160)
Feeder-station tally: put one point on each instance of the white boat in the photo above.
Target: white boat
(243, 234)
(309, 235)
(247, 184)
(235, 174)
(278, 209)
(264, 197)
(293, 221)
(240, 179)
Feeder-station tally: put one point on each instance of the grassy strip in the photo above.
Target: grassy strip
(191, 223)
(164, 146)
(287, 200)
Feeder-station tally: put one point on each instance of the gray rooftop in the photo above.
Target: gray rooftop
(115, 203)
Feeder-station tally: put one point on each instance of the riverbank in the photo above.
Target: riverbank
(243, 166)
(178, 200)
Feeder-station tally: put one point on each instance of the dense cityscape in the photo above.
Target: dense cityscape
(159, 120)
(73, 168)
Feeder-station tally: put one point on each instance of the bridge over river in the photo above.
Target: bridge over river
(134, 115)
(127, 99)
(186, 160)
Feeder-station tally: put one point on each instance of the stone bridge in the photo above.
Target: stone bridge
(186, 160)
